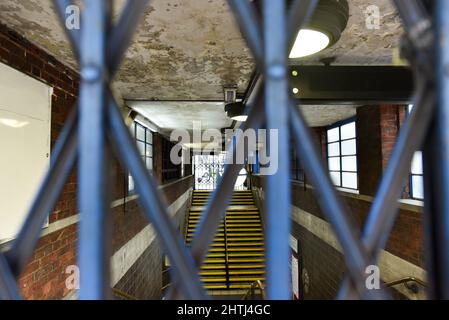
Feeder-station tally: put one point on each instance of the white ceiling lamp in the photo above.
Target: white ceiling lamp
(236, 111)
(324, 29)
(241, 118)
(309, 42)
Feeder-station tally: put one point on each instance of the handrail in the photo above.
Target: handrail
(166, 270)
(251, 292)
(124, 295)
(166, 286)
(406, 282)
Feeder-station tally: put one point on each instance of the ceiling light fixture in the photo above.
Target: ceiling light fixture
(236, 111)
(13, 123)
(323, 30)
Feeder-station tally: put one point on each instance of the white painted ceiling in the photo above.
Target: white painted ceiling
(182, 114)
(321, 116)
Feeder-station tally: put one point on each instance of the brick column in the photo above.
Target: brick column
(377, 131)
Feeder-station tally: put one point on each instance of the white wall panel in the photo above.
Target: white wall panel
(25, 114)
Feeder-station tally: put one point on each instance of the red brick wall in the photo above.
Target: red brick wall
(389, 128)
(369, 149)
(44, 277)
(377, 130)
(20, 54)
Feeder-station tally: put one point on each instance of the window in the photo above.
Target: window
(144, 141)
(342, 155)
(416, 173)
(297, 169)
(170, 171)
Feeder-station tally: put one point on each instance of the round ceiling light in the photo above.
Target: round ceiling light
(236, 111)
(323, 30)
(309, 42)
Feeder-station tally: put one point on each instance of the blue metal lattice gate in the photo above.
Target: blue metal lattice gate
(96, 129)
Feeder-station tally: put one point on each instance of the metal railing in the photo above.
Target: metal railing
(123, 295)
(413, 287)
(251, 293)
(96, 129)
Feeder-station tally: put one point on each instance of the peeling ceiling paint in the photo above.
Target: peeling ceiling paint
(190, 49)
(184, 50)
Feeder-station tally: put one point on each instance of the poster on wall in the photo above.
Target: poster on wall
(294, 267)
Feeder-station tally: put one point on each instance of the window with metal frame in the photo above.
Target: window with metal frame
(416, 172)
(296, 167)
(144, 141)
(342, 154)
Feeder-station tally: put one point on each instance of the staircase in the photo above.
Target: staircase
(236, 259)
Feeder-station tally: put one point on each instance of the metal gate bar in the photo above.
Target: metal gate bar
(437, 167)
(91, 135)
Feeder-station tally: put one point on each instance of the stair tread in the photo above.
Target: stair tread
(245, 260)
(246, 272)
(237, 279)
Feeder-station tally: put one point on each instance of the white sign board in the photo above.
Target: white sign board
(25, 112)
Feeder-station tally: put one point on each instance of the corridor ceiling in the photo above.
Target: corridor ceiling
(189, 49)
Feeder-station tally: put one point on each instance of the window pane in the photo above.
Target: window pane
(140, 132)
(149, 152)
(349, 163)
(417, 163)
(348, 147)
(335, 176)
(141, 147)
(334, 164)
(333, 149)
(130, 183)
(333, 135)
(149, 162)
(149, 137)
(348, 131)
(417, 187)
(349, 180)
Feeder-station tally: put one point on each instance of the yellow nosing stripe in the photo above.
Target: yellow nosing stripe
(246, 266)
(213, 273)
(243, 260)
(213, 279)
(210, 261)
(213, 286)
